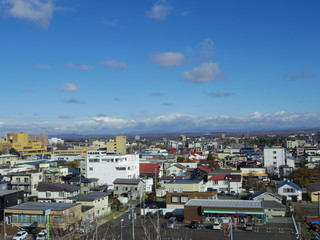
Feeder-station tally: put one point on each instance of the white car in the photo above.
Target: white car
(42, 235)
(20, 235)
(216, 226)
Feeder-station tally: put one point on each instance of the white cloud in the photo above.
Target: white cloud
(175, 122)
(70, 87)
(85, 67)
(39, 11)
(42, 66)
(206, 72)
(168, 59)
(159, 11)
(64, 116)
(221, 94)
(115, 65)
(73, 100)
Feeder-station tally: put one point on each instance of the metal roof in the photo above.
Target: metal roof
(225, 203)
(92, 196)
(53, 206)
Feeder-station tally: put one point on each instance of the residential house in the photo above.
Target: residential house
(289, 190)
(131, 188)
(267, 195)
(57, 192)
(226, 183)
(175, 170)
(26, 181)
(86, 184)
(313, 191)
(179, 192)
(99, 201)
(64, 218)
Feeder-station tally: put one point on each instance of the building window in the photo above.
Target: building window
(180, 190)
(91, 169)
(59, 219)
(171, 190)
(48, 194)
(184, 199)
(18, 179)
(116, 188)
(124, 188)
(275, 163)
(61, 194)
(175, 199)
(275, 157)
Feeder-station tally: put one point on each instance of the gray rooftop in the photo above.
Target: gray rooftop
(6, 192)
(127, 181)
(92, 196)
(225, 203)
(184, 181)
(43, 206)
(267, 204)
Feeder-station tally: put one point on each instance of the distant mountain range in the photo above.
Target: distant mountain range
(188, 134)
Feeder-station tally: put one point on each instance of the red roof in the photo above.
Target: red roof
(150, 168)
(205, 168)
(173, 150)
(224, 177)
(217, 177)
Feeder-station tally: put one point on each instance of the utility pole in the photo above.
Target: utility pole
(132, 221)
(155, 184)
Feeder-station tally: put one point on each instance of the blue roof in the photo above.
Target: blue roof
(292, 184)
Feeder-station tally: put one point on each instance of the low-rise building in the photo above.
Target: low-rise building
(9, 198)
(57, 192)
(131, 188)
(99, 201)
(289, 191)
(313, 191)
(26, 181)
(65, 218)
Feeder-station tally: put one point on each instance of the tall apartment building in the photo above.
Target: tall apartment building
(274, 158)
(108, 166)
(118, 145)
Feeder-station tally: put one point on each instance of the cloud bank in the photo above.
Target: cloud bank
(175, 122)
(206, 72)
(38, 11)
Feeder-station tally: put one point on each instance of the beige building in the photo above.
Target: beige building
(118, 145)
(184, 186)
(26, 181)
(20, 142)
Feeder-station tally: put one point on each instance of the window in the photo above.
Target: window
(120, 168)
(171, 190)
(124, 188)
(175, 199)
(91, 169)
(180, 190)
(275, 157)
(116, 188)
(275, 163)
(274, 152)
(59, 219)
(18, 179)
(61, 194)
(184, 199)
(48, 194)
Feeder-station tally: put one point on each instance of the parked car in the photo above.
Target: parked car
(248, 226)
(42, 235)
(168, 215)
(171, 222)
(216, 226)
(193, 225)
(20, 235)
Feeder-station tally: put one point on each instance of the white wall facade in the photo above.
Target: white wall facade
(109, 166)
(273, 158)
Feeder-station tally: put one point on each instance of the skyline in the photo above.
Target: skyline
(116, 67)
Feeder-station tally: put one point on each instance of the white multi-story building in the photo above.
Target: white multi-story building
(273, 158)
(108, 166)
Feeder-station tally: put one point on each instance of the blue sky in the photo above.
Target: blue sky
(122, 66)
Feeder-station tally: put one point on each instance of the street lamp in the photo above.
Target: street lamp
(121, 229)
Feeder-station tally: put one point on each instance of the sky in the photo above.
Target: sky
(124, 66)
